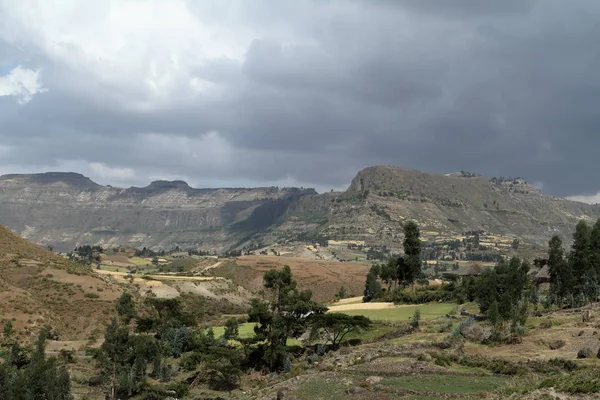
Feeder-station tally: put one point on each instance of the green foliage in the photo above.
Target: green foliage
(574, 279)
(32, 376)
(126, 307)
(337, 325)
(561, 277)
(224, 369)
(415, 319)
(232, 330)
(586, 352)
(169, 313)
(8, 329)
(580, 260)
(581, 381)
(411, 266)
(372, 288)
(123, 358)
(174, 341)
(341, 294)
(285, 315)
(502, 292)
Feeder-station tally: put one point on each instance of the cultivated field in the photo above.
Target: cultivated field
(324, 278)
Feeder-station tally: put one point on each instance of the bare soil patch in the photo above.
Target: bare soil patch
(324, 278)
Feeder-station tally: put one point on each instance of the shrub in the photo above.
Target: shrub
(586, 352)
(416, 318)
(567, 365)
(91, 295)
(190, 361)
(445, 327)
(557, 344)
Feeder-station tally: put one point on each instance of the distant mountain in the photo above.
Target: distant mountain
(381, 198)
(65, 209)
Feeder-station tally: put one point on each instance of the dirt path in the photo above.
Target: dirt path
(204, 269)
(361, 306)
(162, 277)
(349, 300)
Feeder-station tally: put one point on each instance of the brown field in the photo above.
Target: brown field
(324, 278)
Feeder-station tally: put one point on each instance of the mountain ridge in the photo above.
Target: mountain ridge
(65, 209)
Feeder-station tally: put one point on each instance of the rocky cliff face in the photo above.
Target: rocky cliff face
(64, 209)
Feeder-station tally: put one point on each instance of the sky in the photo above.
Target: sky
(303, 92)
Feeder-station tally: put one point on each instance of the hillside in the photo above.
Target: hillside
(38, 288)
(65, 209)
(380, 199)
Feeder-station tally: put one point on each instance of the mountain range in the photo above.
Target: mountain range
(67, 209)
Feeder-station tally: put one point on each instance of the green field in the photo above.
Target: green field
(246, 330)
(139, 261)
(404, 313)
(432, 386)
(113, 268)
(455, 384)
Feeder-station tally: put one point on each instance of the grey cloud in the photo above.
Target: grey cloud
(497, 87)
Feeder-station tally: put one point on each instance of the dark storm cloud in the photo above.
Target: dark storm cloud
(322, 89)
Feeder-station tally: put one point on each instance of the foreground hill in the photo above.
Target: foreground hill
(39, 288)
(64, 209)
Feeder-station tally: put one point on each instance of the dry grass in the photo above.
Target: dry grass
(324, 278)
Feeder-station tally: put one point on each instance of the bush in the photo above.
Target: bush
(445, 327)
(190, 361)
(91, 295)
(567, 365)
(586, 352)
(557, 344)
(577, 382)
(416, 318)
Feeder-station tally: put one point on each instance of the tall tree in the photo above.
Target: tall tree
(561, 277)
(388, 272)
(126, 307)
(580, 255)
(372, 288)
(412, 252)
(285, 315)
(595, 247)
(504, 289)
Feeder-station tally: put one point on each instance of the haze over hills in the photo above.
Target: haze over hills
(65, 209)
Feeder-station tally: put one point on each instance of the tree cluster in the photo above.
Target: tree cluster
(285, 313)
(574, 276)
(398, 270)
(30, 375)
(503, 294)
(86, 254)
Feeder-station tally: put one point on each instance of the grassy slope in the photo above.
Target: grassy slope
(38, 287)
